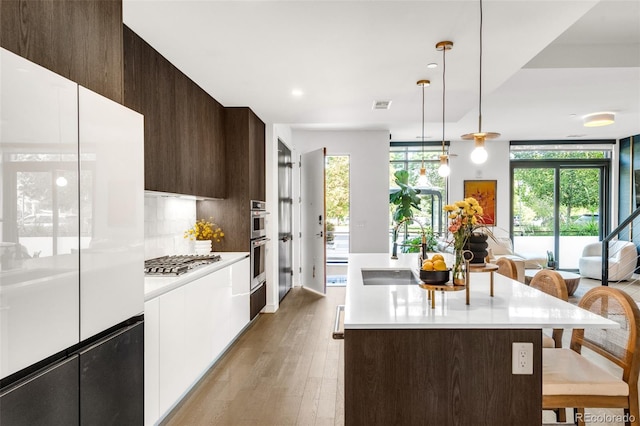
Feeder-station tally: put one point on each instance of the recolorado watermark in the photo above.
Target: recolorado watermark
(605, 418)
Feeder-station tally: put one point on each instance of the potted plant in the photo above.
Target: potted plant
(551, 263)
(204, 233)
(404, 198)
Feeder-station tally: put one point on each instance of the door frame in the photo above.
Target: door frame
(291, 233)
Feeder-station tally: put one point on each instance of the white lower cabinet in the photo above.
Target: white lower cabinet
(187, 329)
(174, 358)
(240, 303)
(151, 361)
(221, 311)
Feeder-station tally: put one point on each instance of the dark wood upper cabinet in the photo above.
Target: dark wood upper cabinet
(245, 159)
(80, 40)
(257, 185)
(184, 130)
(245, 134)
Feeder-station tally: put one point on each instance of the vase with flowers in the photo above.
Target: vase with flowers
(463, 216)
(204, 233)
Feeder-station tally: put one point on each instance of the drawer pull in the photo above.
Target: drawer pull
(338, 327)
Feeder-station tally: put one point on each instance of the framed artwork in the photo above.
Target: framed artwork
(485, 192)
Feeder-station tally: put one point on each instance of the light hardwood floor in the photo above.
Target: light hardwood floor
(284, 370)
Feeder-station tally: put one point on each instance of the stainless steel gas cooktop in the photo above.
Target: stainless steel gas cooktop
(178, 265)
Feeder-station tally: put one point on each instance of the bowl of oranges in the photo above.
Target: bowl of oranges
(434, 270)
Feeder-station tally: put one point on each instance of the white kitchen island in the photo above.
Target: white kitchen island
(406, 363)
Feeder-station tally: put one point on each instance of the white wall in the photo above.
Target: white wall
(368, 153)
(369, 157)
(495, 168)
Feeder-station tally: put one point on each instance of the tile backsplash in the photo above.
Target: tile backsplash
(165, 220)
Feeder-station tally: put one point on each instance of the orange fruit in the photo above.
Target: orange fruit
(439, 265)
(437, 256)
(427, 265)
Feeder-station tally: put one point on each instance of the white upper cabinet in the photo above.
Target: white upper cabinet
(39, 222)
(111, 213)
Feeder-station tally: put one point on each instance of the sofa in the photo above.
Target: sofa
(623, 257)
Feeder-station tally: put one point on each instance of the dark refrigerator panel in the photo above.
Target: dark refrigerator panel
(112, 379)
(49, 398)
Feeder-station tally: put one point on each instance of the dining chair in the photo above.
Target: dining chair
(507, 267)
(569, 379)
(552, 283)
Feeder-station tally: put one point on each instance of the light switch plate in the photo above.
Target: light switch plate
(522, 358)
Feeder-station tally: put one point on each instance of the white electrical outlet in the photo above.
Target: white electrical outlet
(522, 358)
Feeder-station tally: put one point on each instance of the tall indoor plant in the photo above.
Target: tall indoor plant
(407, 201)
(405, 198)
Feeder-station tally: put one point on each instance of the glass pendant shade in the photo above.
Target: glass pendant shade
(479, 154)
(423, 181)
(444, 169)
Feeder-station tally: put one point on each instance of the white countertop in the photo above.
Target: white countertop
(514, 305)
(156, 285)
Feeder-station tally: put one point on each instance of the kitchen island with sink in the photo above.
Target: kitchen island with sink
(408, 363)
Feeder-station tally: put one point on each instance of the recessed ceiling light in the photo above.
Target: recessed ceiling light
(598, 119)
(297, 92)
(432, 65)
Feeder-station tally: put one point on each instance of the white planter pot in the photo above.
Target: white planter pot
(203, 246)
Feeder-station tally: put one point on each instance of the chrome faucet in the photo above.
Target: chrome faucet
(423, 245)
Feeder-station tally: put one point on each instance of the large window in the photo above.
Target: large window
(410, 156)
(560, 199)
(337, 207)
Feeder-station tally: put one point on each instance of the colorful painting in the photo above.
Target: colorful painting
(485, 192)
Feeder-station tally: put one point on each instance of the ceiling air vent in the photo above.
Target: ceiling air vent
(381, 104)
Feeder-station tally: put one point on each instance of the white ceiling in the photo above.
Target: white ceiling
(545, 63)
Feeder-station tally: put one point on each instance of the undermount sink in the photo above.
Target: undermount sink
(389, 276)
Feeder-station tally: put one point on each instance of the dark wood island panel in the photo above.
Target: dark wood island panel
(440, 377)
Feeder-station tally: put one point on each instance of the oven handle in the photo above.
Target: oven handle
(260, 242)
(259, 213)
(256, 288)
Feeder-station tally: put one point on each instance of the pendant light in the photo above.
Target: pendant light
(479, 154)
(423, 181)
(444, 169)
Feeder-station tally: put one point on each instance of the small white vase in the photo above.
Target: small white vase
(203, 246)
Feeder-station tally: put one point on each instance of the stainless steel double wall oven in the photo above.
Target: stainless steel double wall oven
(258, 246)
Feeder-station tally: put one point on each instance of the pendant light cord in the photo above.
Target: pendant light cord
(422, 126)
(444, 86)
(480, 85)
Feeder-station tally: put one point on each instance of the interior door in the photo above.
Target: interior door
(285, 203)
(312, 220)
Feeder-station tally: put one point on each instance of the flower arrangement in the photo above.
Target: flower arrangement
(465, 215)
(204, 230)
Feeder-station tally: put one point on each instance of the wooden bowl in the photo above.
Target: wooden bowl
(434, 277)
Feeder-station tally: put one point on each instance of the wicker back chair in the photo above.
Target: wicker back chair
(571, 380)
(507, 267)
(552, 283)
